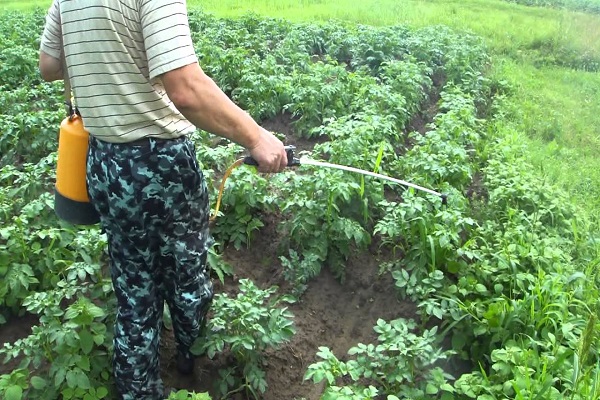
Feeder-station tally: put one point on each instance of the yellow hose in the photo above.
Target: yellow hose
(222, 187)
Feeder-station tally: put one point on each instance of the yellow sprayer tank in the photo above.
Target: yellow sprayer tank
(71, 201)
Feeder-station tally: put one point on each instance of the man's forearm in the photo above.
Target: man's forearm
(214, 112)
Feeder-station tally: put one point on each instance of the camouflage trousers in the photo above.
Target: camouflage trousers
(153, 204)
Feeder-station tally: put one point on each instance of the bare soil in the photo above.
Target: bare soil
(330, 313)
(17, 327)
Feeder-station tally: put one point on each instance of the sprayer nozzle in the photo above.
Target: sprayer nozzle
(444, 199)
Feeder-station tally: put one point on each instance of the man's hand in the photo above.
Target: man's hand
(269, 153)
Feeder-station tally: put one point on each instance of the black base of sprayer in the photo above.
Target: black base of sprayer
(444, 199)
(74, 212)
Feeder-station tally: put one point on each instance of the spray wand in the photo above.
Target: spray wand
(296, 162)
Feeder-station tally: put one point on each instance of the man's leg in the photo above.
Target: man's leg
(188, 288)
(136, 366)
(118, 179)
(189, 292)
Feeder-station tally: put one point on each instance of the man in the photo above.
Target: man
(139, 88)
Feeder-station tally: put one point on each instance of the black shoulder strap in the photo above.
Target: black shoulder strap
(71, 110)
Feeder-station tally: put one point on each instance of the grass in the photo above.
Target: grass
(558, 108)
(23, 4)
(509, 28)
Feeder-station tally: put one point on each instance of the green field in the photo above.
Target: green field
(558, 108)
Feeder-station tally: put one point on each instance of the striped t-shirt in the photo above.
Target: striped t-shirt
(115, 51)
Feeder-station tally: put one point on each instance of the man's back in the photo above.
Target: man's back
(114, 52)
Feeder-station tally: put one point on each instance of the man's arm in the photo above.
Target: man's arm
(51, 47)
(171, 57)
(203, 103)
(51, 68)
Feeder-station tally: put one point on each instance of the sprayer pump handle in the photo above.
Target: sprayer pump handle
(292, 161)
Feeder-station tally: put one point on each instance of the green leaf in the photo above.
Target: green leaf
(248, 344)
(13, 393)
(480, 288)
(68, 393)
(479, 330)
(38, 383)
(59, 377)
(71, 379)
(101, 392)
(87, 341)
(197, 347)
(167, 321)
(431, 389)
(182, 395)
(575, 367)
(84, 363)
(447, 387)
(83, 381)
(459, 341)
(317, 376)
(95, 311)
(330, 377)
(99, 339)
(453, 266)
